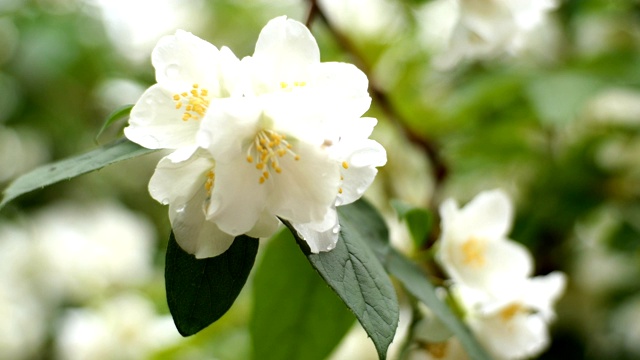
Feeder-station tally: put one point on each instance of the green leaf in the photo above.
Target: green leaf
(38, 178)
(418, 220)
(363, 216)
(116, 115)
(200, 291)
(295, 314)
(417, 284)
(354, 271)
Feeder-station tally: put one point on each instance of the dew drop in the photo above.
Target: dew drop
(172, 71)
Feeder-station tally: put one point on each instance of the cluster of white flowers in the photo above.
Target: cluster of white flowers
(487, 28)
(506, 308)
(274, 135)
(79, 255)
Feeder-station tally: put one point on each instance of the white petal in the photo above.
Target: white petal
(306, 188)
(492, 266)
(184, 59)
(321, 236)
(155, 123)
(522, 336)
(362, 162)
(283, 53)
(229, 123)
(266, 226)
(238, 199)
(193, 233)
(340, 89)
(544, 291)
(489, 215)
(176, 182)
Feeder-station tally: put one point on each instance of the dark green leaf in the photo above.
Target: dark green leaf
(417, 284)
(116, 115)
(200, 291)
(418, 220)
(292, 302)
(119, 150)
(353, 270)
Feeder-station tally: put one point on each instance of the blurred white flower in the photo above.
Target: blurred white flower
(513, 326)
(84, 250)
(474, 248)
(124, 327)
(293, 147)
(24, 316)
(488, 28)
(375, 19)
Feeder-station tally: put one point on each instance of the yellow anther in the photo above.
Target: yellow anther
(283, 85)
(341, 177)
(510, 311)
(267, 148)
(262, 180)
(340, 191)
(297, 157)
(250, 158)
(303, 83)
(195, 103)
(345, 165)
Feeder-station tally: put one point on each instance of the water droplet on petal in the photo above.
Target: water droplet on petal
(172, 71)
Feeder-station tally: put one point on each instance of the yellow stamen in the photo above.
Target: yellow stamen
(345, 165)
(195, 103)
(473, 252)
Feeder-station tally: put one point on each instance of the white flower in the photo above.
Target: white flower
(189, 73)
(293, 147)
(513, 326)
(124, 327)
(474, 248)
(487, 28)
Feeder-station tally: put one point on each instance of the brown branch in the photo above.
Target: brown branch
(429, 146)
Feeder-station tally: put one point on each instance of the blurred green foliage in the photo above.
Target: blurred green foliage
(527, 125)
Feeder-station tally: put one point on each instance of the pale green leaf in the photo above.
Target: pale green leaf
(38, 178)
(295, 314)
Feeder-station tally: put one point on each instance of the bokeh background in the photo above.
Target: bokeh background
(557, 126)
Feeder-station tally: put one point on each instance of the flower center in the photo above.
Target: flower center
(510, 311)
(266, 150)
(473, 252)
(290, 86)
(195, 102)
(437, 350)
